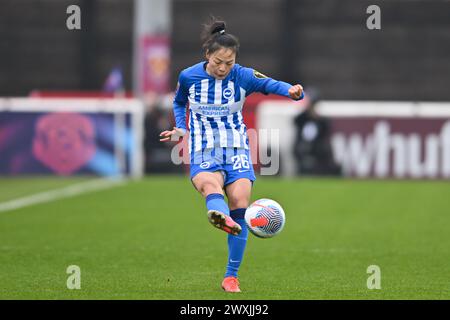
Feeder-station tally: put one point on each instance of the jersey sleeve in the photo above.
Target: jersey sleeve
(180, 102)
(254, 81)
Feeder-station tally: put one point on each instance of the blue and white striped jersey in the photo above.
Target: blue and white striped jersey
(216, 105)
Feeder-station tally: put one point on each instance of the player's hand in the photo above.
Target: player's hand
(175, 133)
(295, 92)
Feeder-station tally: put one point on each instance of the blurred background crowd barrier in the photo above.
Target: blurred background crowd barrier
(93, 100)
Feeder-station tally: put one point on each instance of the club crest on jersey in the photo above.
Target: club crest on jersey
(259, 74)
(228, 93)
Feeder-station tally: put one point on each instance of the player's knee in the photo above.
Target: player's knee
(208, 187)
(236, 203)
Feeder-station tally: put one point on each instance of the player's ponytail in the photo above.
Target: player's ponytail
(215, 37)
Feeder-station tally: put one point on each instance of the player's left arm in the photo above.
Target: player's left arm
(258, 82)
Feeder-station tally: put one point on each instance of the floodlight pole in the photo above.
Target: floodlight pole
(151, 54)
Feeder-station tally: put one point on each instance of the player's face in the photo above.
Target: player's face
(220, 63)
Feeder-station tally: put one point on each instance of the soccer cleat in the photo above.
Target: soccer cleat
(231, 284)
(224, 222)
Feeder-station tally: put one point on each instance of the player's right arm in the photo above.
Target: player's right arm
(179, 110)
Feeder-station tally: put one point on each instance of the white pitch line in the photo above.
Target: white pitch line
(66, 192)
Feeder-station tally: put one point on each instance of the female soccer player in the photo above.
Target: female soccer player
(218, 143)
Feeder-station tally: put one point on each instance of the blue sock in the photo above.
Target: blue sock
(216, 201)
(236, 244)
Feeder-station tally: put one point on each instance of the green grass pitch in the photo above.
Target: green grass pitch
(150, 239)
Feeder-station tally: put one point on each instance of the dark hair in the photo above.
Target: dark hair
(214, 37)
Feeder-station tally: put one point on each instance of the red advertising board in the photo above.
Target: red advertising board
(392, 147)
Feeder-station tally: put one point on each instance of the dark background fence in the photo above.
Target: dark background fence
(322, 43)
(37, 51)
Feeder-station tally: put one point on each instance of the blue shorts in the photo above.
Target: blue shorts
(234, 163)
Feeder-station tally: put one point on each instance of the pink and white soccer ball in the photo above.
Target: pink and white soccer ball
(265, 218)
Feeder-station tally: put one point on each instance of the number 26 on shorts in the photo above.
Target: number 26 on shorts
(240, 162)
